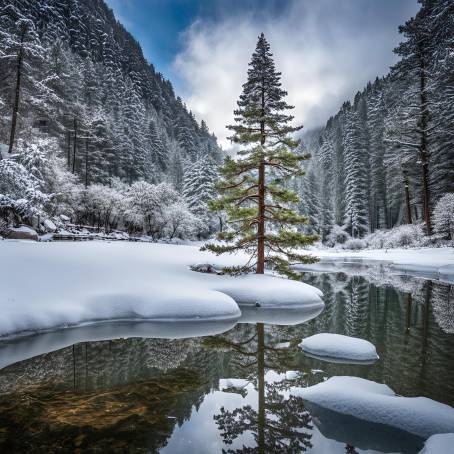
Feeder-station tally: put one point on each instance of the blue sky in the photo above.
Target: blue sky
(326, 49)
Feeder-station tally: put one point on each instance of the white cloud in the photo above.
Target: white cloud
(326, 51)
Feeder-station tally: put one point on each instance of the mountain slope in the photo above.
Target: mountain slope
(85, 81)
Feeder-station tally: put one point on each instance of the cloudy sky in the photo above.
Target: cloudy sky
(326, 49)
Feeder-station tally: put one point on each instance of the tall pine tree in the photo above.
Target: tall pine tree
(252, 192)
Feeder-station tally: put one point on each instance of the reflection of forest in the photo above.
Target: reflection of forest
(112, 396)
(408, 327)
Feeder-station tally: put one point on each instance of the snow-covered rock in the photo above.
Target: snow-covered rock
(228, 383)
(64, 218)
(439, 444)
(49, 226)
(22, 233)
(377, 403)
(69, 284)
(328, 347)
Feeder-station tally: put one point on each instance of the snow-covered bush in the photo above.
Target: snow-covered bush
(337, 236)
(407, 235)
(355, 244)
(443, 216)
(180, 221)
(377, 239)
(20, 195)
(159, 210)
(102, 206)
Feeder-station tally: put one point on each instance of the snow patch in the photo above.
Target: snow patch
(327, 346)
(438, 444)
(377, 403)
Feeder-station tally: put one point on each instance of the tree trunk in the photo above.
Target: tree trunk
(407, 198)
(20, 57)
(69, 149)
(261, 200)
(75, 144)
(424, 155)
(261, 225)
(86, 163)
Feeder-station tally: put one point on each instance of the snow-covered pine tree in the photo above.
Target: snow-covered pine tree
(24, 55)
(252, 193)
(355, 157)
(310, 203)
(198, 188)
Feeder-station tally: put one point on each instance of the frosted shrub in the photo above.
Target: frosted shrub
(377, 240)
(20, 195)
(408, 235)
(355, 244)
(443, 216)
(337, 236)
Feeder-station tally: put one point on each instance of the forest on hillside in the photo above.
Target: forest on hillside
(84, 116)
(387, 158)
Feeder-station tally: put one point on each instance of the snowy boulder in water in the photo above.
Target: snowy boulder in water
(22, 233)
(437, 444)
(378, 404)
(339, 348)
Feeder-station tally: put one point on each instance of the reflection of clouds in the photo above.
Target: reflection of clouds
(200, 433)
(323, 49)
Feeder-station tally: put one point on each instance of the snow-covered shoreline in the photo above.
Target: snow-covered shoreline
(54, 285)
(427, 263)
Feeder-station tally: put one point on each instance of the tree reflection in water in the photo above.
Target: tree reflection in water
(280, 423)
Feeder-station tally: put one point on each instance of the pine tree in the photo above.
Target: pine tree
(356, 217)
(415, 53)
(252, 191)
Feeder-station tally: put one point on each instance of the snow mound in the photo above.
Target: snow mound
(260, 290)
(51, 285)
(328, 346)
(437, 444)
(377, 403)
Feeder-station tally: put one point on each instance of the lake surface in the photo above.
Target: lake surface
(231, 391)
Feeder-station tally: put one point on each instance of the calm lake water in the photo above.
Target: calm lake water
(231, 391)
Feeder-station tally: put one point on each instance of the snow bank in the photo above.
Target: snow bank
(327, 346)
(438, 444)
(51, 285)
(430, 263)
(377, 403)
(267, 291)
